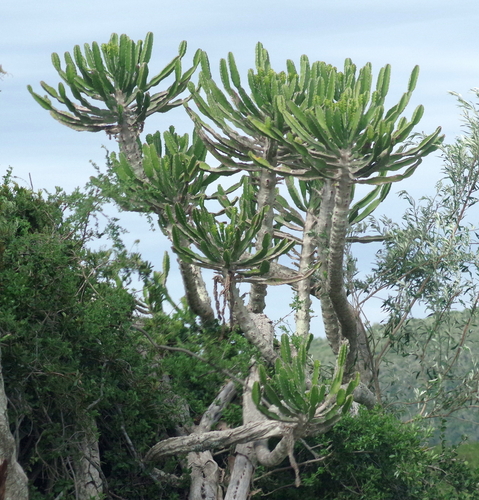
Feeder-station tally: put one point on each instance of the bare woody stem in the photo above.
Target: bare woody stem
(128, 134)
(266, 197)
(335, 277)
(330, 320)
(196, 293)
(303, 316)
(218, 439)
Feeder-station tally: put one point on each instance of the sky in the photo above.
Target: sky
(441, 36)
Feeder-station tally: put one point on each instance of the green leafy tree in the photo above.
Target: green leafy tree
(429, 261)
(374, 456)
(86, 376)
(13, 480)
(70, 359)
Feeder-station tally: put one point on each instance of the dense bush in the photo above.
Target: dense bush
(373, 456)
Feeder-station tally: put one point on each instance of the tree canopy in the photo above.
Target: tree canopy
(279, 209)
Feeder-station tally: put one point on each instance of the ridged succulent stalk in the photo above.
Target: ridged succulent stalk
(265, 198)
(330, 320)
(337, 242)
(128, 138)
(303, 315)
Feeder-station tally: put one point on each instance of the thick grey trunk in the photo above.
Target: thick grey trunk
(128, 133)
(205, 472)
(303, 315)
(257, 328)
(16, 487)
(205, 476)
(265, 197)
(245, 457)
(88, 481)
(330, 320)
(242, 474)
(196, 294)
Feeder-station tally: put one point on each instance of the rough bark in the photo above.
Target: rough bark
(331, 324)
(303, 315)
(217, 439)
(257, 328)
(335, 279)
(364, 396)
(128, 133)
(16, 485)
(205, 476)
(88, 481)
(243, 470)
(265, 197)
(196, 294)
(205, 472)
(245, 456)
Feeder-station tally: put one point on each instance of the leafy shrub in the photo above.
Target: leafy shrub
(373, 456)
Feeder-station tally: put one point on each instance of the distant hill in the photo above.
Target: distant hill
(428, 342)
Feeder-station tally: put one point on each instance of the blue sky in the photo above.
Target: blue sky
(441, 36)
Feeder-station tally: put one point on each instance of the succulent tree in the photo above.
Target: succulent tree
(329, 130)
(115, 74)
(318, 130)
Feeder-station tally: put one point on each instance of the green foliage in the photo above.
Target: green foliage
(290, 396)
(225, 245)
(402, 373)
(69, 353)
(373, 456)
(344, 114)
(315, 120)
(469, 452)
(196, 381)
(323, 131)
(172, 175)
(115, 73)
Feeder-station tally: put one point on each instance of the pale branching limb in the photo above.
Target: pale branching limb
(330, 320)
(303, 315)
(265, 198)
(128, 138)
(245, 458)
(16, 479)
(205, 472)
(196, 292)
(335, 278)
(87, 465)
(257, 327)
(217, 439)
